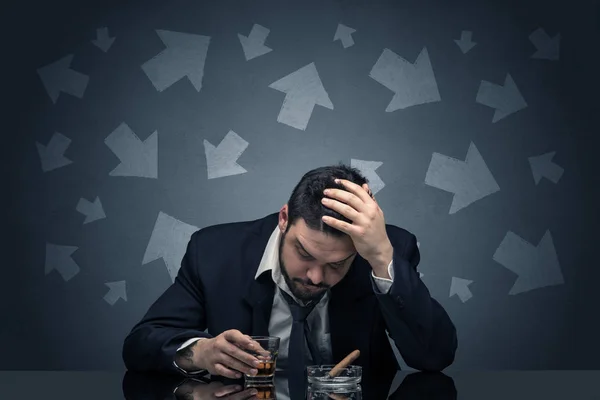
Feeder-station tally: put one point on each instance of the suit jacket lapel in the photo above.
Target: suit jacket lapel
(259, 297)
(345, 308)
(258, 293)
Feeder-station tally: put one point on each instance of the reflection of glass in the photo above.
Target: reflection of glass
(266, 390)
(191, 389)
(266, 368)
(348, 392)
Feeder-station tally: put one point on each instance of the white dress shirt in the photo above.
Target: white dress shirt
(280, 323)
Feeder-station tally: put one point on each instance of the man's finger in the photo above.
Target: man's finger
(226, 372)
(246, 394)
(239, 339)
(256, 347)
(248, 344)
(240, 354)
(238, 365)
(244, 342)
(229, 389)
(234, 336)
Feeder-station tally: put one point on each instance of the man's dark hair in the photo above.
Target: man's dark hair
(305, 200)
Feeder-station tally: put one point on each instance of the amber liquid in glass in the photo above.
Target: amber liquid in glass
(265, 392)
(265, 368)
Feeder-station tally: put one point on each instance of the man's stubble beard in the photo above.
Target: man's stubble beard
(293, 285)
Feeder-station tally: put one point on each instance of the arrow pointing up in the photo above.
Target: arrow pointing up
(169, 241)
(118, 290)
(469, 180)
(103, 41)
(465, 43)
(344, 34)
(542, 166)
(412, 84)
(137, 158)
(92, 211)
(460, 287)
(368, 168)
(504, 99)
(185, 55)
(59, 77)
(222, 160)
(59, 258)
(547, 48)
(536, 267)
(254, 44)
(303, 89)
(52, 155)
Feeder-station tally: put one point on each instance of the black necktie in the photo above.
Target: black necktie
(300, 335)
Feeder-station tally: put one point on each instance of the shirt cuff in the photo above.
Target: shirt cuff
(384, 284)
(188, 342)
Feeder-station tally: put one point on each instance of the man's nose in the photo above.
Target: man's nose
(315, 274)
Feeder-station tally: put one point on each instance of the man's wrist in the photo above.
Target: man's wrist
(381, 263)
(187, 358)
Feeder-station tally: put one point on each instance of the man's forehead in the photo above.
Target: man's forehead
(305, 245)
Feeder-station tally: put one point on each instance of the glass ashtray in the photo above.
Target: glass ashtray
(319, 375)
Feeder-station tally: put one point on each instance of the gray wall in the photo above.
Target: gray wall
(530, 302)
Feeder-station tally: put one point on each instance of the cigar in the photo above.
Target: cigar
(344, 363)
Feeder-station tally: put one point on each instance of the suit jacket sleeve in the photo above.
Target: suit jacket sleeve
(420, 327)
(175, 317)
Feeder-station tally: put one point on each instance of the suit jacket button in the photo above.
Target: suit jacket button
(399, 301)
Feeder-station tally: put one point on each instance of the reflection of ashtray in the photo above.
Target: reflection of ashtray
(318, 375)
(316, 392)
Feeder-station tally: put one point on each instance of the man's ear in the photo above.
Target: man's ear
(283, 218)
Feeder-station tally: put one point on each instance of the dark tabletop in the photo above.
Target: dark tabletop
(405, 385)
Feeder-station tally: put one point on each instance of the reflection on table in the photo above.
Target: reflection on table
(404, 385)
(417, 385)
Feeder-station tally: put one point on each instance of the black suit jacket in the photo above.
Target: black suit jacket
(215, 289)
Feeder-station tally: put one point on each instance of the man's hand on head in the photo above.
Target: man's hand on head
(367, 229)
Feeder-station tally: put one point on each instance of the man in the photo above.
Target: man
(326, 254)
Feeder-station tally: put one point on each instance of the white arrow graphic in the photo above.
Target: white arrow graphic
(185, 55)
(542, 166)
(368, 168)
(59, 77)
(52, 155)
(222, 160)
(460, 287)
(469, 180)
(254, 44)
(547, 48)
(92, 211)
(118, 290)
(412, 84)
(169, 241)
(59, 258)
(465, 43)
(137, 158)
(504, 99)
(103, 41)
(536, 267)
(303, 89)
(344, 34)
